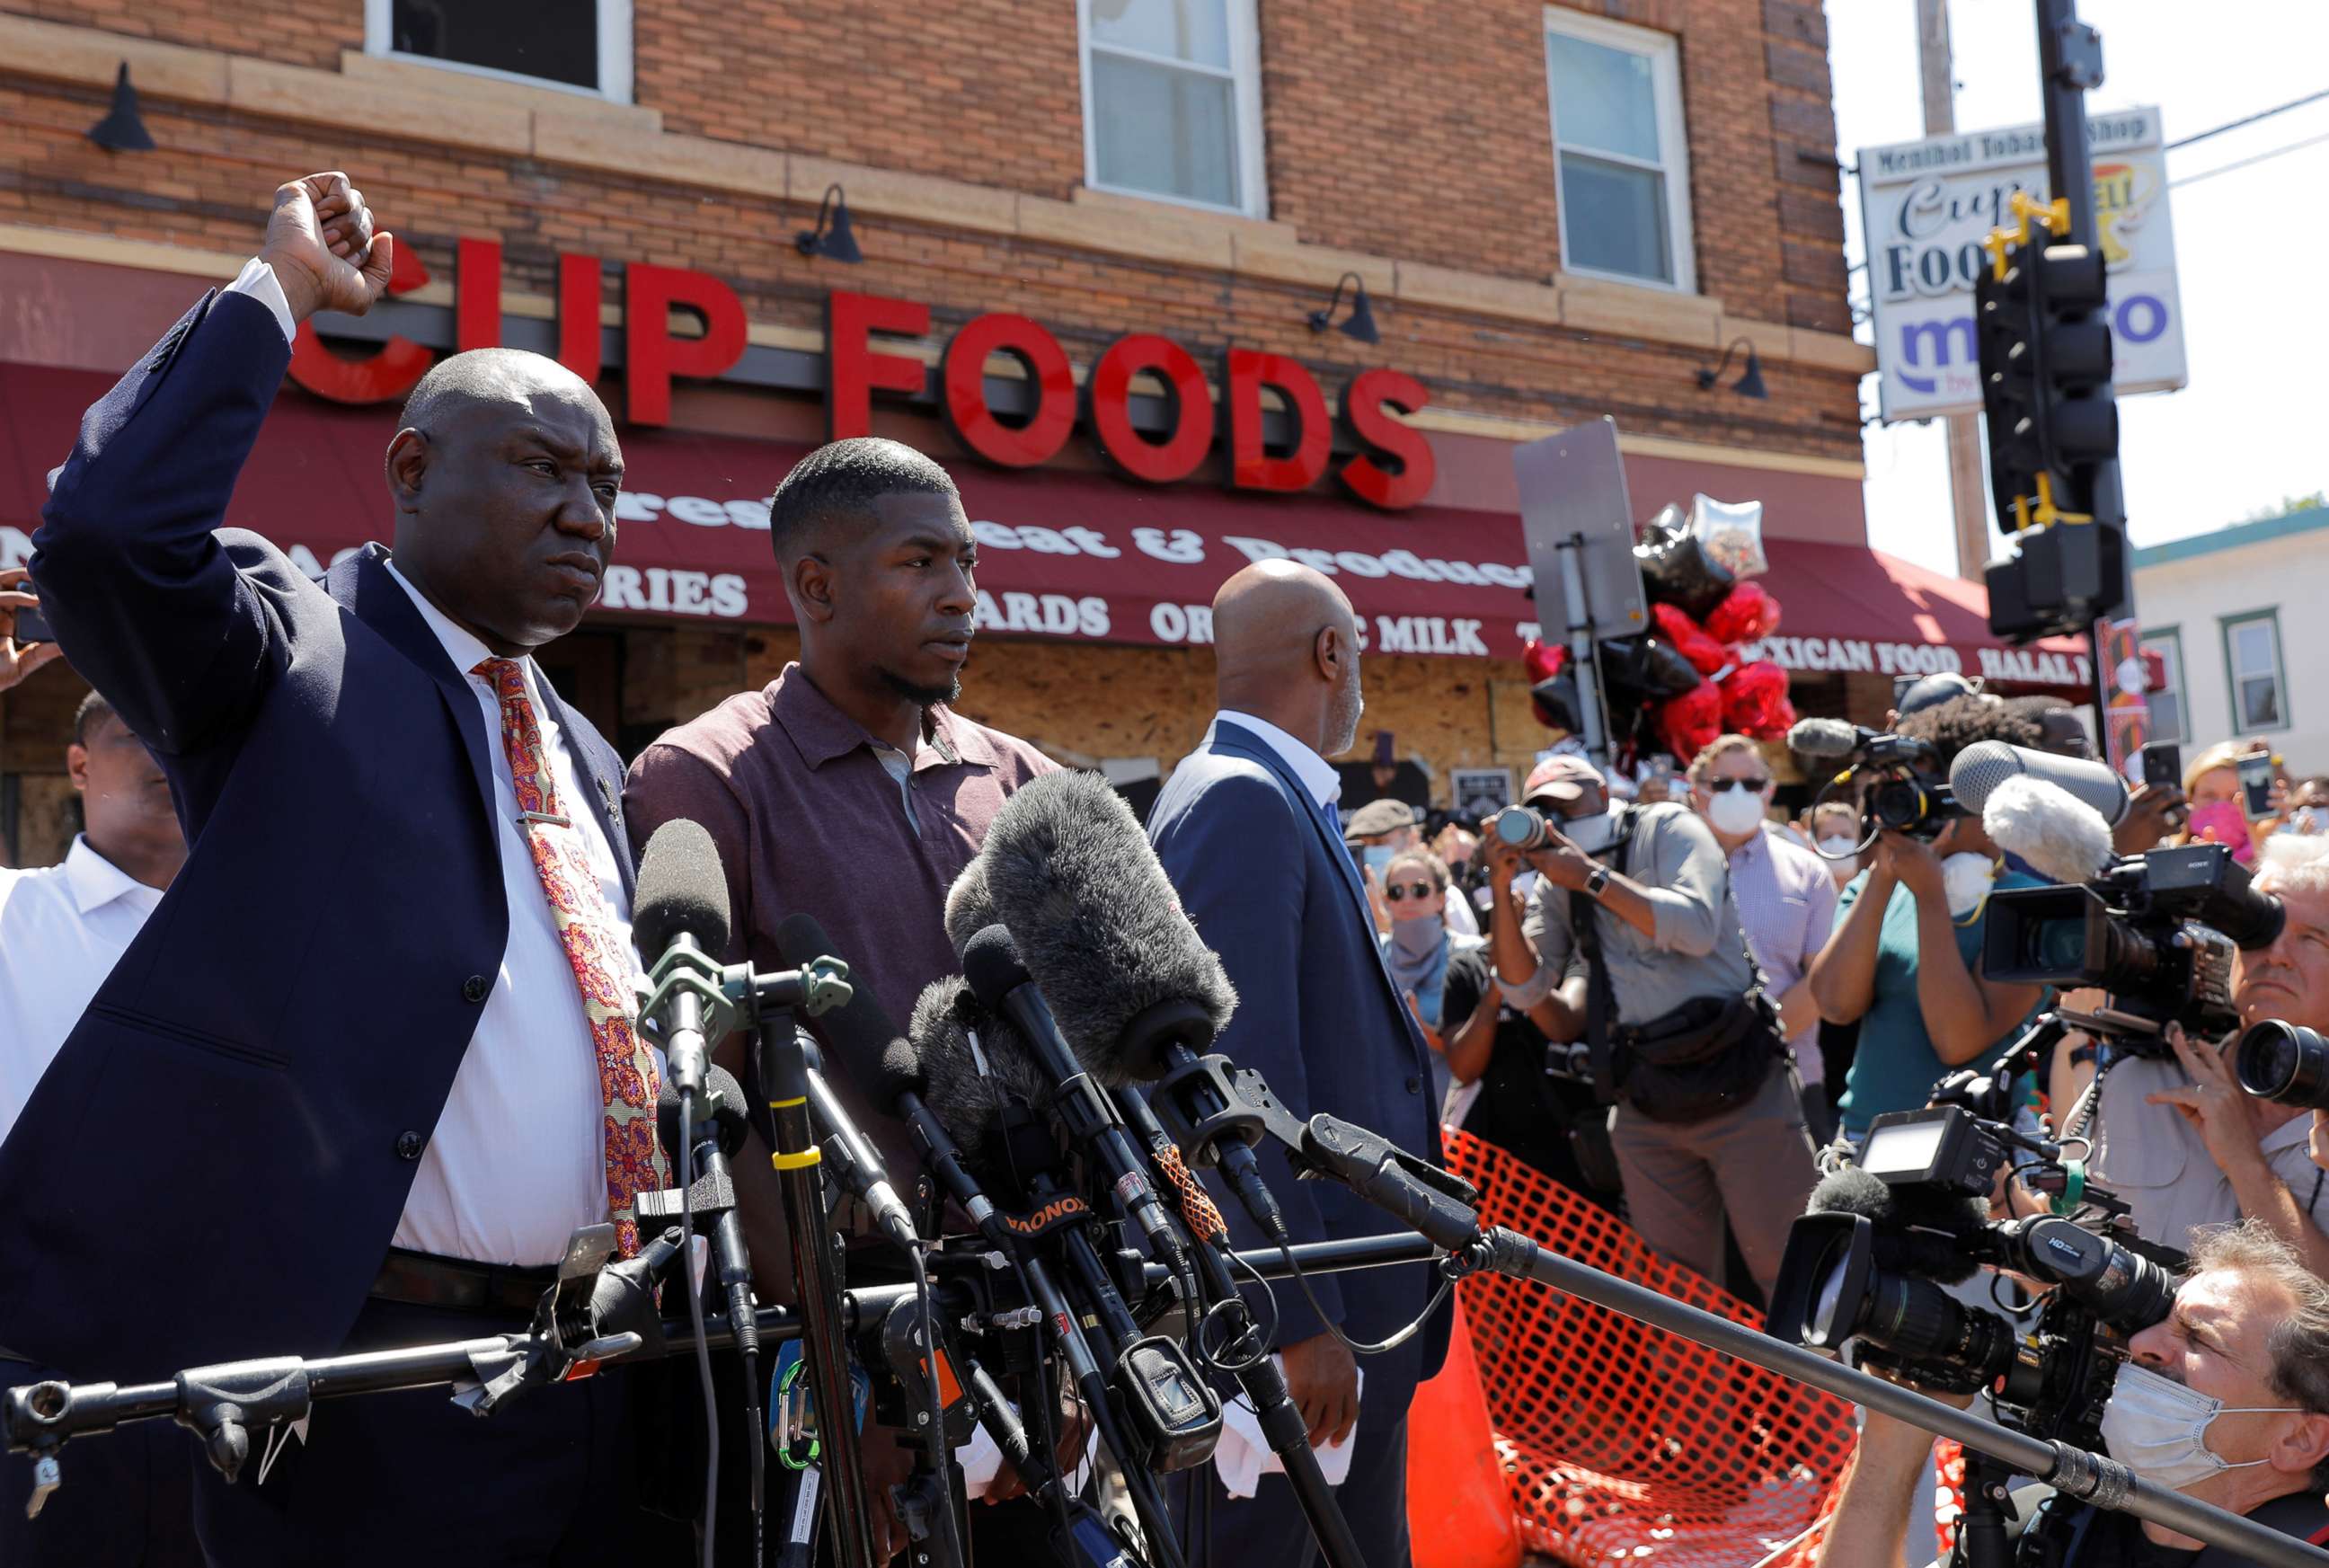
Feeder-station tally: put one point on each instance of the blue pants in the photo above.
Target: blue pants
(1269, 1527)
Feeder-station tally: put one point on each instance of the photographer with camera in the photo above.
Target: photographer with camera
(1904, 961)
(2178, 1138)
(1680, 1035)
(2226, 1401)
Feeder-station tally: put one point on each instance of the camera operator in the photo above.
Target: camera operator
(2226, 1401)
(2181, 1141)
(1904, 961)
(1708, 1124)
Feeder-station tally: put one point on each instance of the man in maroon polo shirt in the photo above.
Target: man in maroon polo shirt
(846, 789)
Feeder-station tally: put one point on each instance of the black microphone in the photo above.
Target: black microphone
(859, 1031)
(1921, 1236)
(679, 915)
(902, 1079)
(1134, 987)
(990, 962)
(715, 1138)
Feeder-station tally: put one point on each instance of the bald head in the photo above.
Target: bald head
(505, 472)
(1286, 649)
(461, 384)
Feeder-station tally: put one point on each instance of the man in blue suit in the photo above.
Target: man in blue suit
(368, 1063)
(1247, 831)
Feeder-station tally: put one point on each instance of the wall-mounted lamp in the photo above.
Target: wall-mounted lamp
(123, 130)
(832, 237)
(1749, 384)
(1361, 322)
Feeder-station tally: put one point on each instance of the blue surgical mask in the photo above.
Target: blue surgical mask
(1377, 858)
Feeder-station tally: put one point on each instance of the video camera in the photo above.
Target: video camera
(1884, 1238)
(1898, 779)
(2158, 932)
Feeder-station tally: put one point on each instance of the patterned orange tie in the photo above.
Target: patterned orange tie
(600, 961)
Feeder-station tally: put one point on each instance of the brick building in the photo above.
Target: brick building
(1128, 210)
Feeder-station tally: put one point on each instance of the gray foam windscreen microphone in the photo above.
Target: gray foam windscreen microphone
(681, 889)
(970, 1066)
(1070, 874)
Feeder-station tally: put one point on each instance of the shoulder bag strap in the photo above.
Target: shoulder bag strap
(1600, 997)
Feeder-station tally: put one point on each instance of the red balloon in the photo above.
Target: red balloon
(1691, 721)
(1754, 701)
(1705, 654)
(1747, 614)
(1542, 661)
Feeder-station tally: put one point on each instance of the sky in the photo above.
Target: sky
(2246, 430)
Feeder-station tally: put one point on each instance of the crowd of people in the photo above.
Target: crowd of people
(1672, 1001)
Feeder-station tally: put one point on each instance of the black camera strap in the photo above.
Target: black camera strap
(1600, 996)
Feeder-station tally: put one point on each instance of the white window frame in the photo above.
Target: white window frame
(2167, 641)
(614, 52)
(2229, 625)
(1665, 55)
(1244, 74)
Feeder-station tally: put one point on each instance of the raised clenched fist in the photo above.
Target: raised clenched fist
(321, 245)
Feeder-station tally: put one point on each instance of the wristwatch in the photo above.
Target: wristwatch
(1596, 880)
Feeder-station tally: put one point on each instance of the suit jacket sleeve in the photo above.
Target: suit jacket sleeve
(147, 603)
(1236, 857)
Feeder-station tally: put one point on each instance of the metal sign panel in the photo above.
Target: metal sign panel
(1926, 207)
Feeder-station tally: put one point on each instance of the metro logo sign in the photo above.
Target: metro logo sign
(1392, 469)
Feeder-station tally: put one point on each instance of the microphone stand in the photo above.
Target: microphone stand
(1260, 1378)
(780, 1072)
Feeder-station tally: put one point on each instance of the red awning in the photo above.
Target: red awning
(1063, 553)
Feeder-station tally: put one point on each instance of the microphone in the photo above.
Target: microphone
(1828, 740)
(1067, 868)
(1134, 988)
(712, 1138)
(859, 1030)
(679, 914)
(2062, 838)
(1926, 1239)
(990, 961)
(1985, 765)
(900, 1080)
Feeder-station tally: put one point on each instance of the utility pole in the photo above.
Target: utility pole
(1969, 483)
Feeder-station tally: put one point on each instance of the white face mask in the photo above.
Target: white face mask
(1841, 851)
(1965, 878)
(1735, 811)
(1591, 834)
(2157, 1428)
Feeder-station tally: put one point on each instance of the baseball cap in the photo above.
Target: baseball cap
(1562, 777)
(1379, 816)
(1932, 690)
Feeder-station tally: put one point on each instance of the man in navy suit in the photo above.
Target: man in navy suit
(1247, 831)
(367, 1064)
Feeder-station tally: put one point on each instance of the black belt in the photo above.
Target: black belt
(424, 1280)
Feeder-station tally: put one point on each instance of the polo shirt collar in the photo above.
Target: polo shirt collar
(822, 732)
(97, 882)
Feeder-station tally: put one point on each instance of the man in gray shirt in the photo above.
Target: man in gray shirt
(1669, 939)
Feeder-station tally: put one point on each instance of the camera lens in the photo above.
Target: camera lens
(2286, 1062)
(1519, 827)
(2060, 945)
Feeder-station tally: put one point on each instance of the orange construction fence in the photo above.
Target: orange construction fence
(1620, 1443)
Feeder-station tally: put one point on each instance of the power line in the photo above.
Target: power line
(2247, 119)
(2244, 163)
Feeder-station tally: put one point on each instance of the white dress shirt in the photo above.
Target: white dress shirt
(1317, 774)
(62, 928)
(518, 1160)
(518, 1157)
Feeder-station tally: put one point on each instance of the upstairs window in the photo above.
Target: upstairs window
(2252, 659)
(581, 45)
(2167, 704)
(1618, 146)
(1173, 101)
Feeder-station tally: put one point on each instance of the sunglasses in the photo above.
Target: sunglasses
(1753, 786)
(1408, 891)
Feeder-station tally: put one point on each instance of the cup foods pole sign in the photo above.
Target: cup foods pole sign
(1927, 206)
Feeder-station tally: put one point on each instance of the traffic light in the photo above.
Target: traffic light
(2045, 357)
